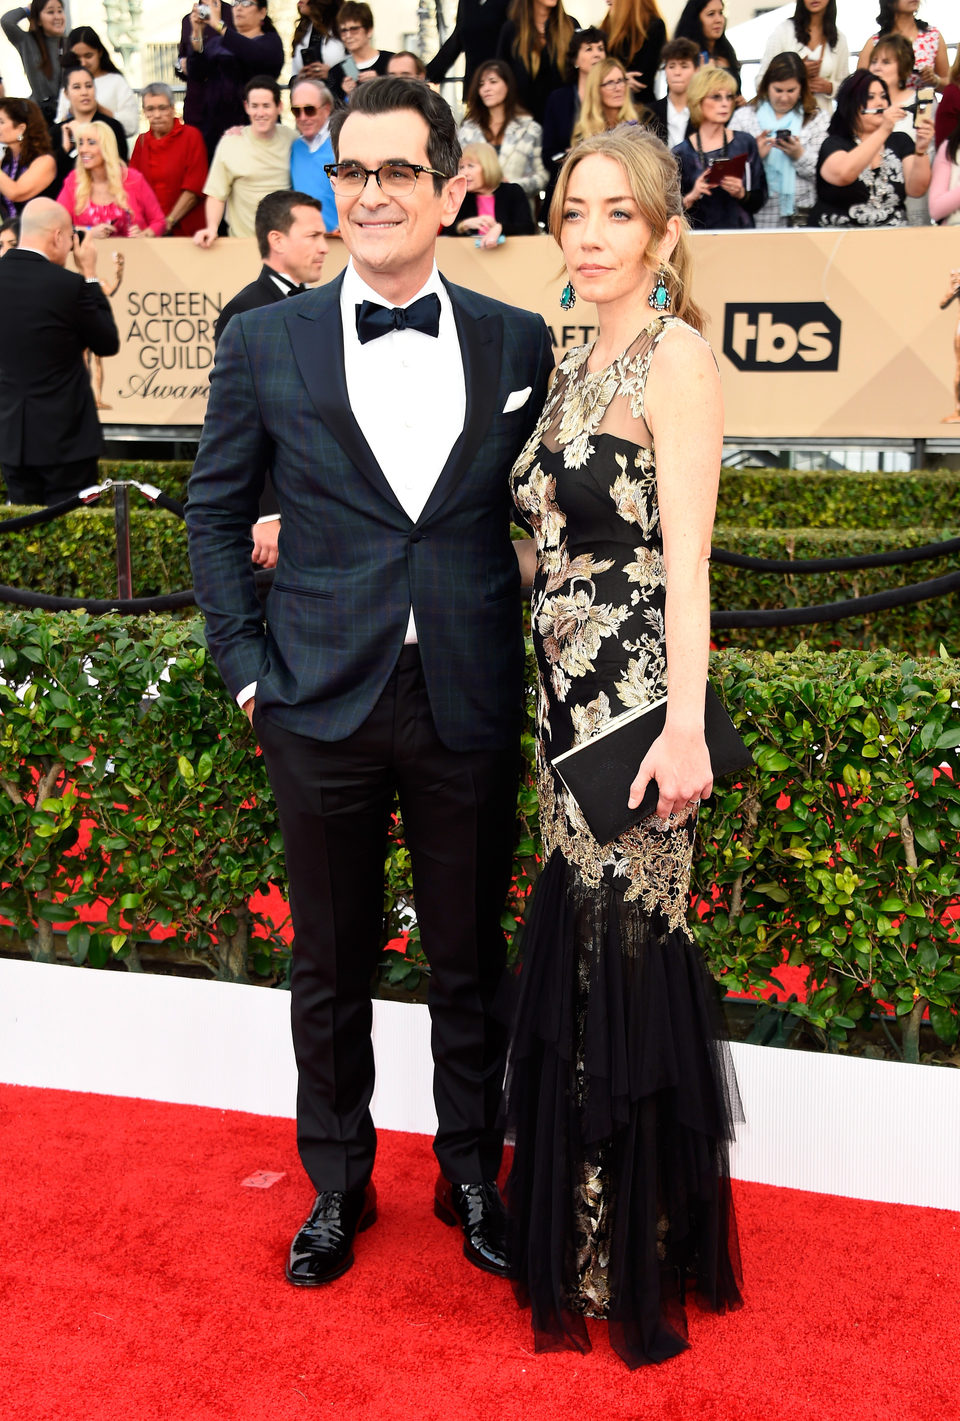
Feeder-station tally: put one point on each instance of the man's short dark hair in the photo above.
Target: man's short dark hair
(394, 93)
(680, 49)
(275, 214)
(262, 81)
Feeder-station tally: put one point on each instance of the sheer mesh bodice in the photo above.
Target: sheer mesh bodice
(620, 1091)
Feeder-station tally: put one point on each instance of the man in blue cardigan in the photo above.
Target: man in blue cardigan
(311, 104)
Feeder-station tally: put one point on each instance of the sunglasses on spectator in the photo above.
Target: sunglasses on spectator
(613, 83)
(346, 29)
(308, 110)
(246, 4)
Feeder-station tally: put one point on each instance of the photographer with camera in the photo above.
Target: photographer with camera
(789, 128)
(225, 46)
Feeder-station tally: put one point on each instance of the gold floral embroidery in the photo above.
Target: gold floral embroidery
(572, 627)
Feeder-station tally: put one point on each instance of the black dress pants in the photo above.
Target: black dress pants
(334, 800)
(46, 484)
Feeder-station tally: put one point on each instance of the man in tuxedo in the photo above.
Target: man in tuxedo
(290, 233)
(391, 407)
(50, 435)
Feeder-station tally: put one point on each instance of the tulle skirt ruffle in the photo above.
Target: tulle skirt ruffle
(621, 1099)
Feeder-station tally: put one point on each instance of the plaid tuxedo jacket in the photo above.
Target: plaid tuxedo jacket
(351, 560)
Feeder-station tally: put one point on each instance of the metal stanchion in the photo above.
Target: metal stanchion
(121, 522)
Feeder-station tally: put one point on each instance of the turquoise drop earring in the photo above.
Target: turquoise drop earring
(659, 297)
(568, 297)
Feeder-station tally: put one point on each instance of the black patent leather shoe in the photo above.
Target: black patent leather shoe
(478, 1210)
(323, 1249)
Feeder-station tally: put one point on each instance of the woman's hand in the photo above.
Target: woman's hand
(348, 85)
(929, 78)
(102, 229)
(66, 138)
(924, 137)
(792, 147)
(470, 224)
(821, 86)
(680, 763)
(701, 188)
(764, 142)
(491, 234)
(735, 187)
(367, 74)
(812, 67)
(891, 117)
(314, 71)
(635, 80)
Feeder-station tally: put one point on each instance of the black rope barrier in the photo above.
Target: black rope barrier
(125, 606)
(891, 558)
(839, 611)
(42, 515)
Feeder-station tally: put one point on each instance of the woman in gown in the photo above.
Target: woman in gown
(620, 1090)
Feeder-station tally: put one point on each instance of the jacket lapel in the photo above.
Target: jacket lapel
(268, 286)
(480, 332)
(316, 338)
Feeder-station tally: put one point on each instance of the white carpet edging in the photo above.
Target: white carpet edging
(831, 1124)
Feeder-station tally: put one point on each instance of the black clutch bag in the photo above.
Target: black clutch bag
(599, 773)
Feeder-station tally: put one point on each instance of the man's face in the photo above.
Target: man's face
(308, 113)
(678, 74)
(403, 66)
(262, 110)
(301, 250)
(393, 237)
(159, 114)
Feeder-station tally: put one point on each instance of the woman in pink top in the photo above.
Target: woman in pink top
(929, 51)
(945, 183)
(491, 209)
(103, 194)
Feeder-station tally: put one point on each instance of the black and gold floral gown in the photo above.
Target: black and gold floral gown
(620, 1091)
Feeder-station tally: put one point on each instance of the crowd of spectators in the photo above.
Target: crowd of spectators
(817, 145)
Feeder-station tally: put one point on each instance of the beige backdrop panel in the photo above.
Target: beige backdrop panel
(896, 367)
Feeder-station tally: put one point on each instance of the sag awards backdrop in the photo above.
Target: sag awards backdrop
(818, 334)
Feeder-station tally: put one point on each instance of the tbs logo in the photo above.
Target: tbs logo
(797, 335)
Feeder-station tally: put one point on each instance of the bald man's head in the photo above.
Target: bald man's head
(46, 227)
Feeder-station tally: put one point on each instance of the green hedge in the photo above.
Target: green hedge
(920, 629)
(129, 779)
(75, 556)
(749, 498)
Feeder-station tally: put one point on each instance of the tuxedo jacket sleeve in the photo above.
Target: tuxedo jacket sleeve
(351, 560)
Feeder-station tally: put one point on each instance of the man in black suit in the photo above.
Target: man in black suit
(50, 435)
(290, 234)
(391, 408)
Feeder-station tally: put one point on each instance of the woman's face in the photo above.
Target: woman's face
(875, 106)
(81, 94)
(815, 7)
(88, 151)
(884, 65)
(712, 19)
(603, 237)
(472, 171)
(907, 7)
(589, 55)
(716, 107)
(248, 17)
(10, 132)
(88, 57)
(52, 19)
(492, 89)
(784, 96)
(613, 89)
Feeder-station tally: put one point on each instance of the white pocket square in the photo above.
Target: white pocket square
(517, 399)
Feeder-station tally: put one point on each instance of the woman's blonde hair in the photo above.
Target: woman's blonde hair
(653, 177)
(111, 161)
(592, 117)
(710, 77)
(485, 155)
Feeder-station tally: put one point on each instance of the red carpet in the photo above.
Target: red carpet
(139, 1280)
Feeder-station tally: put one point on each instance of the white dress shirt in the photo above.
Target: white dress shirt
(407, 393)
(677, 120)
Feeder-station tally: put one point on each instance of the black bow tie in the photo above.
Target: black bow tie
(422, 315)
(290, 287)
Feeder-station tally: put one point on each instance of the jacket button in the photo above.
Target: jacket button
(415, 537)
